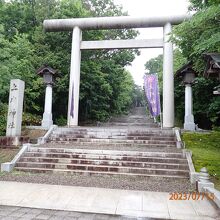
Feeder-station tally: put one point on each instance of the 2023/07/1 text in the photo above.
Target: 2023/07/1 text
(192, 196)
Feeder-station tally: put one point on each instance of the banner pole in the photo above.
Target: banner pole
(161, 124)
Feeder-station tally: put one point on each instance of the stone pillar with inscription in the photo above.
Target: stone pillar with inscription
(15, 108)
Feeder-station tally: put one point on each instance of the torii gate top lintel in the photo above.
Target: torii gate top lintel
(77, 25)
(111, 22)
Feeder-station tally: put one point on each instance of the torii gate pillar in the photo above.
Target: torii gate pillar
(73, 103)
(168, 79)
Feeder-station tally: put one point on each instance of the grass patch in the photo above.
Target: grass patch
(7, 155)
(13, 173)
(206, 152)
(33, 133)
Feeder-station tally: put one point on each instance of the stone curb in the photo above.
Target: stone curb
(188, 153)
(43, 140)
(193, 174)
(216, 193)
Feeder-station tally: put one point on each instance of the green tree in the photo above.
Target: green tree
(139, 96)
(155, 65)
(200, 34)
(16, 63)
(105, 86)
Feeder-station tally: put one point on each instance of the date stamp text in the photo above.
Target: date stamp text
(191, 196)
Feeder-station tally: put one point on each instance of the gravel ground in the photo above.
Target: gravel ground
(121, 148)
(158, 184)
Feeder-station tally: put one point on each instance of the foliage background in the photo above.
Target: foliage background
(106, 88)
(192, 38)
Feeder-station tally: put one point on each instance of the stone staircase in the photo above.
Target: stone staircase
(113, 137)
(101, 162)
(109, 150)
(136, 118)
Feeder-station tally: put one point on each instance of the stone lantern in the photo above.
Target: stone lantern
(48, 75)
(212, 69)
(188, 75)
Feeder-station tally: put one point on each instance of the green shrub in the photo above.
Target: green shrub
(3, 118)
(27, 119)
(61, 121)
(216, 128)
(30, 119)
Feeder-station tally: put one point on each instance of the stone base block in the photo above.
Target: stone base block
(47, 120)
(7, 167)
(189, 126)
(202, 185)
(216, 193)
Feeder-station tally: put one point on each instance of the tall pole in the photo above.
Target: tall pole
(73, 104)
(168, 80)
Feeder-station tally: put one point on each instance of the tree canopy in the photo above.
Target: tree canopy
(106, 88)
(200, 34)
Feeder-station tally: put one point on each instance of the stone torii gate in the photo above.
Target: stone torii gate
(78, 24)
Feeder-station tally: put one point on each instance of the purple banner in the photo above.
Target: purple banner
(151, 88)
(72, 103)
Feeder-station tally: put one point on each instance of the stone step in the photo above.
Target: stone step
(131, 117)
(74, 143)
(178, 154)
(104, 135)
(148, 134)
(121, 163)
(119, 136)
(132, 120)
(113, 139)
(130, 124)
(108, 157)
(114, 130)
(104, 168)
(109, 140)
(91, 172)
(113, 148)
(142, 137)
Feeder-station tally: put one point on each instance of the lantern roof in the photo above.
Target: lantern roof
(46, 69)
(212, 65)
(187, 68)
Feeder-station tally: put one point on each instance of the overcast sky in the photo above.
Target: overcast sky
(148, 8)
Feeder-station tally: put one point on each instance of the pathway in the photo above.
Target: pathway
(21, 213)
(104, 201)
